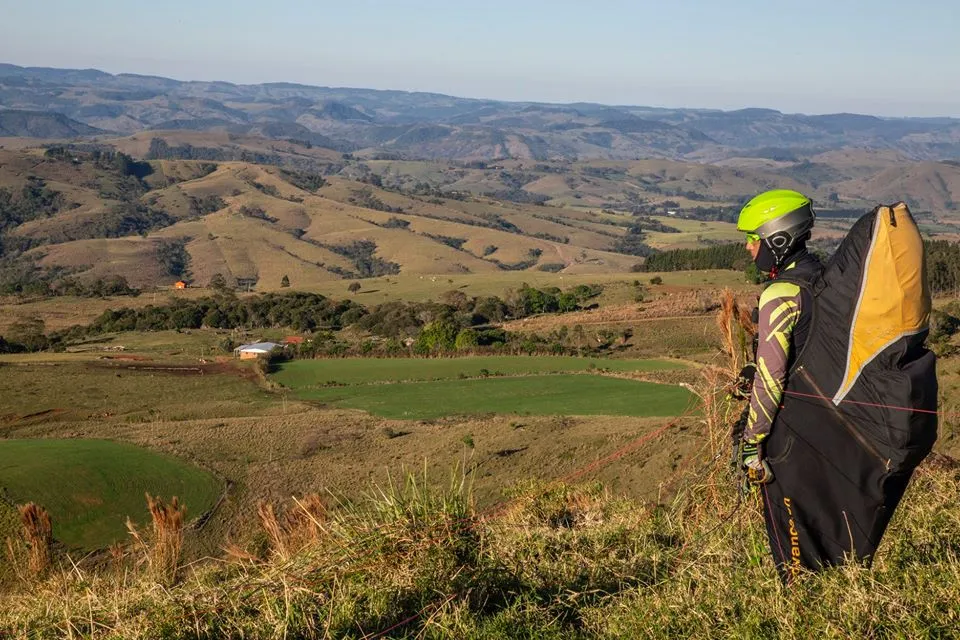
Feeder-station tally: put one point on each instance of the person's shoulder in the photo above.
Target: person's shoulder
(779, 290)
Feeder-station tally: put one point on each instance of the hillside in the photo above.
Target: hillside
(255, 210)
(39, 124)
(932, 186)
(88, 216)
(431, 126)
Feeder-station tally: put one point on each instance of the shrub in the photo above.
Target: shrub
(437, 336)
(467, 339)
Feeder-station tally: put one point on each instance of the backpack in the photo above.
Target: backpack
(858, 412)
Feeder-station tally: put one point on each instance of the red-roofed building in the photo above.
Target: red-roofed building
(293, 340)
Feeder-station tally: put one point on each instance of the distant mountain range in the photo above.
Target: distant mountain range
(68, 103)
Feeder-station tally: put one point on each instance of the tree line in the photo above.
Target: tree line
(943, 266)
(721, 256)
(943, 262)
(312, 313)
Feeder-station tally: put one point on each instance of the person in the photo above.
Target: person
(843, 405)
(778, 224)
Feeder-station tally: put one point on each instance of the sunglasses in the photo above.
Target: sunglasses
(753, 237)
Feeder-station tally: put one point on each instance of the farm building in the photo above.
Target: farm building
(255, 350)
(294, 340)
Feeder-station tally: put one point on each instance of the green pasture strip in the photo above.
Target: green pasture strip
(89, 487)
(536, 395)
(306, 373)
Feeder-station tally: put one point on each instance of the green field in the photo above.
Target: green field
(306, 373)
(89, 487)
(693, 233)
(568, 394)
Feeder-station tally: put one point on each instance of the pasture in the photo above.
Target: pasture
(63, 312)
(299, 374)
(565, 394)
(420, 288)
(90, 487)
(131, 391)
(693, 233)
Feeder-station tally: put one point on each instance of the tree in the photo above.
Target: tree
(353, 287)
(218, 283)
(173, 257)
(467, 339)
(567, 302)
(285, 281)
(439, 335)
(29, 334)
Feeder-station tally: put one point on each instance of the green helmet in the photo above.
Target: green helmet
(780, 218)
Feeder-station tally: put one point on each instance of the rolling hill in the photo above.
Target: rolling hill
(255, 210)
(254, 224)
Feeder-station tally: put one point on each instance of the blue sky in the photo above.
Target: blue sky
(883, 57)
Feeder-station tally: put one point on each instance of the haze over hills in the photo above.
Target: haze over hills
(432, 126)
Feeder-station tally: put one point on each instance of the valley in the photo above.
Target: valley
(496, 347)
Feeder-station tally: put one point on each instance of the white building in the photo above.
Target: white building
(255, 350)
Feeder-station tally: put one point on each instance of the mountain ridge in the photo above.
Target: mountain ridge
(370, 121)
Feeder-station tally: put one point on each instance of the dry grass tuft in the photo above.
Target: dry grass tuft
(736, 330)
(162, 551)
(296, 527)
(38, 533)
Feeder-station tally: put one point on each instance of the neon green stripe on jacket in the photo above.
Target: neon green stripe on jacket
(779, 313)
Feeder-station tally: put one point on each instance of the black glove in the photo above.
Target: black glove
(743, 386)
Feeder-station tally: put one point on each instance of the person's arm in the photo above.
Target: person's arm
(779, 312)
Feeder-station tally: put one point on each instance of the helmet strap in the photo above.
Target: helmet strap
(766, 261)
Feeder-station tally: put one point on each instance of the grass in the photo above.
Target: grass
(545, 560)
(89, 487)
(63, 312)
(429, 287)
(70, 390)
(536, 395)
(693, 233)
(558, 561)
(270, 447)
(10, 528)
(304, 373)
